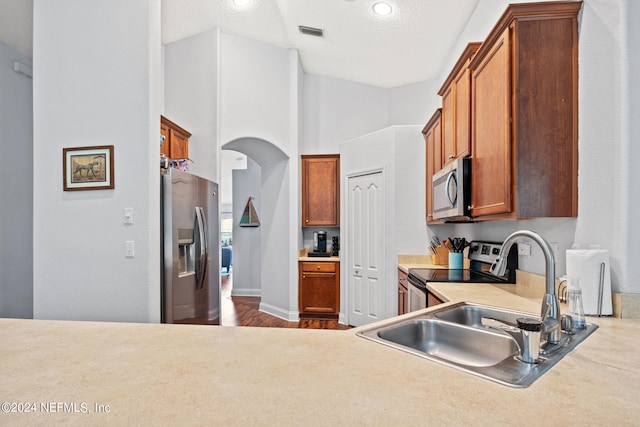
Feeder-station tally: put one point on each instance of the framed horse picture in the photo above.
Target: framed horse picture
(88, 168)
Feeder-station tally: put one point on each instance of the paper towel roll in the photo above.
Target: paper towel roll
(584, 264)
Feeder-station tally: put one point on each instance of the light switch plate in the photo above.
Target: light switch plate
(127, 216)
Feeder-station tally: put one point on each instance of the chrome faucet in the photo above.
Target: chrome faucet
(550, 310)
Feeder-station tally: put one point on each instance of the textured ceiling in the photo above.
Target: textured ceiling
(407, 46)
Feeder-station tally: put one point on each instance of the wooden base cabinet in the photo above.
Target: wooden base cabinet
(524, 114)
(433, 300)
(403, 293)
(319, 288)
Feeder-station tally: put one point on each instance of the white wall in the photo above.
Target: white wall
(16, 184)
(97, 82)
(399, 152)
(254, 91)
(190, 89)
(336, 110)
(258, 98)
(410, 190)
(632, 47)
(413, 104)
(247, 247)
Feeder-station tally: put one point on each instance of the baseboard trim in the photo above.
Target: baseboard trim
(246, 292)
(289, 316)
(342, 318)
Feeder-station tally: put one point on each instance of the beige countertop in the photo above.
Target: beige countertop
(302, 256)
(319, 258)
(151, 374)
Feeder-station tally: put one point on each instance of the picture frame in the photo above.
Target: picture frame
(88, 168)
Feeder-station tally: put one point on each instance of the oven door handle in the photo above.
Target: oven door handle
(451, 177)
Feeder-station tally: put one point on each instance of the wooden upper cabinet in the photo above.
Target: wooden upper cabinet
(491, 162)
(321, 190)
(524, 114)
(176, 139)
(456, 108)
(433, 139)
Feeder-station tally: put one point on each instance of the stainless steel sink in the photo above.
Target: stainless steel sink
(455, 343)
(473, 314)
(459, 336)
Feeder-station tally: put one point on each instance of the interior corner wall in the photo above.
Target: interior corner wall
(16, 187)
(102, 88)
(247, 248)
(414, 103)
(190, 90)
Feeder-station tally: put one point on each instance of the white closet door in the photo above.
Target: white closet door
(365, 285)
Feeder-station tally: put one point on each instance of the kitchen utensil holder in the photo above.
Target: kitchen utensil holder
(456, 260)
(441, 257)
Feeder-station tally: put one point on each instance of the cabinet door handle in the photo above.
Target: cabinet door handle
(451, 156)
(304, 277)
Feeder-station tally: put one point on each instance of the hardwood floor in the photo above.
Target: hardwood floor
(244, 311)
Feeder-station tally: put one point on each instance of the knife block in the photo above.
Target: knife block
(441, 257)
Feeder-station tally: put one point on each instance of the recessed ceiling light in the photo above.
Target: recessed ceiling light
(241, 3)
(382, 9)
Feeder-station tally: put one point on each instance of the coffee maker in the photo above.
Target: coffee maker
(320, 241)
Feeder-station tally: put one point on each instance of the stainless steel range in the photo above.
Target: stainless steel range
(481, 255)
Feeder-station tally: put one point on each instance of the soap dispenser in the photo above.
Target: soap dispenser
(576, 311)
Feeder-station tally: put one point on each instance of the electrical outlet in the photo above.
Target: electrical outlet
(129, 249)
(524, 249)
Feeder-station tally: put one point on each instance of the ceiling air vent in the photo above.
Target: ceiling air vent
(310, 31)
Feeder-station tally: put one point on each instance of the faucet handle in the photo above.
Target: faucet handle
(528, 324)
(566, 323)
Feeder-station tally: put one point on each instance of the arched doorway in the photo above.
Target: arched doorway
(263, 257)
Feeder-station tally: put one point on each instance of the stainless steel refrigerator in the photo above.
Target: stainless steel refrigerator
(190, 250)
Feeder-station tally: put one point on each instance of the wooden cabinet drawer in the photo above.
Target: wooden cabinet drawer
(319, 267)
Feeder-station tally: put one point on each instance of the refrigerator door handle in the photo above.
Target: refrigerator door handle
(200, 241)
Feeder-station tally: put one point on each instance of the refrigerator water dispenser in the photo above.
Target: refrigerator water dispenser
(186, 252)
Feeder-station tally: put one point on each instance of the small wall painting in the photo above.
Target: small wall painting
(88, 168)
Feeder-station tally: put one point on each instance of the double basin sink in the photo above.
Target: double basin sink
(478, 339)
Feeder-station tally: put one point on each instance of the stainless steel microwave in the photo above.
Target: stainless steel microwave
(451, 191)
